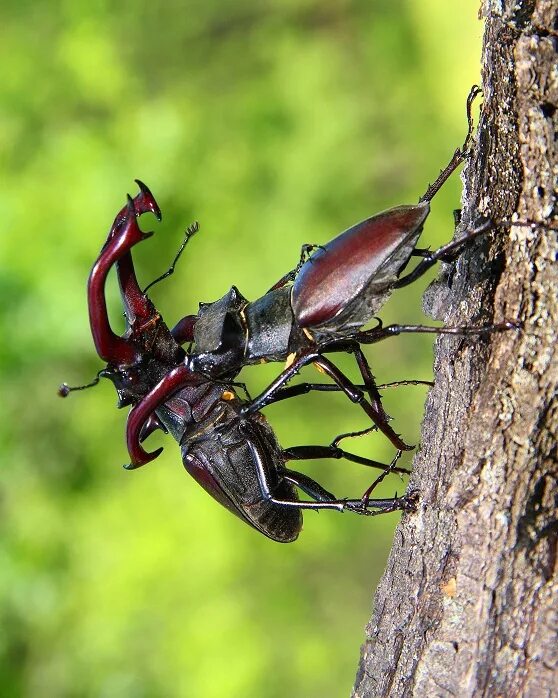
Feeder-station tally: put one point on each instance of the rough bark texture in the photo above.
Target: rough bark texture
(468, 605)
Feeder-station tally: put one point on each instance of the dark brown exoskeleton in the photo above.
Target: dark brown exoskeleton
(322, 305)
(234, 455)
(317, 309)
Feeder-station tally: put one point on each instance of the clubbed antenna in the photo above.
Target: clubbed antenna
(64, 390)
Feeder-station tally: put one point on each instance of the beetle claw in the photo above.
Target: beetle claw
(130, 232)
(141, 457)
(153, 423)
(405, 447)
(145, 201)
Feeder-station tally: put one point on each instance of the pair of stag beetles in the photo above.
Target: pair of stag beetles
(317, 309)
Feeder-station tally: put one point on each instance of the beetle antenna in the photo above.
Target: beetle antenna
(191, 230)
(64, 390)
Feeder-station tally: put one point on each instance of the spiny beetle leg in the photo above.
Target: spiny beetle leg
(332, 451)
(369, 381)
(375, 507)
(305, 252)
(380, 333)
(308, 486)
(460, 154)
(305, 388)
(353, 347)
(139, 415)
(445, 253)
(355, 394)
(349, 345)
(358, 506)
(323, 498)
(405, 503)
(390, 469)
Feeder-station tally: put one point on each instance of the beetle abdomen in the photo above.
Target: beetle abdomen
(344, 283)
(222, 461)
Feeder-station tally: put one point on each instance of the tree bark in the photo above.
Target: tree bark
(468, 605)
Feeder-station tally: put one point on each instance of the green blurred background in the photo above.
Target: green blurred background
(273, 123)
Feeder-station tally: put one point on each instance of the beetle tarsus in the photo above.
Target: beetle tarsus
(459, 155)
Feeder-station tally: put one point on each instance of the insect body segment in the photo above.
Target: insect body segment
(317, 310)
(347, 280)
(226, 443)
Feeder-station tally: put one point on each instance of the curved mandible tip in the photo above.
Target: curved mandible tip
(145, 201)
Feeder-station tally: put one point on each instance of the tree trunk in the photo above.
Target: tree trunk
(468, 603)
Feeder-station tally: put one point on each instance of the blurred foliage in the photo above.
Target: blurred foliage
(273, 123)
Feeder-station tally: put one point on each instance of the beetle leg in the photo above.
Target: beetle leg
(447, 252)
(365, 499)
(323, 498)
(326, 500)
(364, 368)
(459, 155)
(369, 381)
(379, 415)
(333, 451)
(380, 333)
(390, 469)
(421, 252)
(139, 415)
(305, 388)
(354, 394)
(308, 486)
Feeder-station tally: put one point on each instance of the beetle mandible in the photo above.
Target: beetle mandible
(234, 456)
(318, 308)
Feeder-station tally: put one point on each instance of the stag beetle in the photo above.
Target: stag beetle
(232, 452)
(318, 308)
(321, 306)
